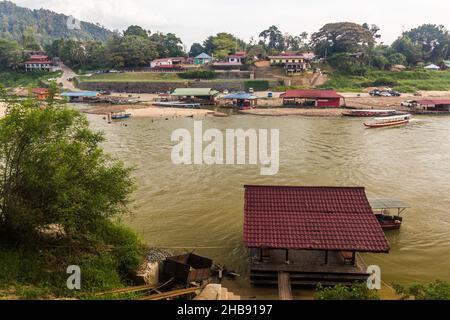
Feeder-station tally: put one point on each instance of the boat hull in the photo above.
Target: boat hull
(386, 124)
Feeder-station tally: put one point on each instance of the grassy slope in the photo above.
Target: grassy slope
(406, 81)
(23, 79)
(41, 274)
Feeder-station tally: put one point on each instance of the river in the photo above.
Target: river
(187, 207)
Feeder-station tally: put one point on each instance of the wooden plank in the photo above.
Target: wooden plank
(284, 286)
(128, 290)
(171, 294)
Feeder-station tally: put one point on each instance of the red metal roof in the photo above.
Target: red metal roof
(38, 62)
(311, 94)
(433, 102)
(40, 91)
(311, 218)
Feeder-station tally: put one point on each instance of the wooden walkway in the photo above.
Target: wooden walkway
(284, 286)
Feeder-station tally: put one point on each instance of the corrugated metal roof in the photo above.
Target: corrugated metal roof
(311, 94)
(311, 218)
(194, 92)
(433, 102)
(241, 96)
(80, 94)
(203, 56)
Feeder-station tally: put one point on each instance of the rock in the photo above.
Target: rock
(150, 269)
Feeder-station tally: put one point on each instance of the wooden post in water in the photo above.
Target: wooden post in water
(109, 118)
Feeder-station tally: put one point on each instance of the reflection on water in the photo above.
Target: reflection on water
(186, 207)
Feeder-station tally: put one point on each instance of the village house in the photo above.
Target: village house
(40, 93)
(168, 63)
(431, 106)
(310, 235)
(203, 59)
(38, 62)
(293, 63)
(312, 98)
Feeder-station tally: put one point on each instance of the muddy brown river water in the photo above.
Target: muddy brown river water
(201, 207)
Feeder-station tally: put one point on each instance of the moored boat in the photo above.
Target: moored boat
(389, 121)
(363, 113)
(120, 115)
(382, 210)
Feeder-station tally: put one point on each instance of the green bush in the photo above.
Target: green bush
(438, 290)
(198, 74)
(257, 85)
(384, 82)
(340, 292)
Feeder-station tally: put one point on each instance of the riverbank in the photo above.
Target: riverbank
(148, 111)
(281, 112)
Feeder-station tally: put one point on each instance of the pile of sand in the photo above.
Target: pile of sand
(156, 112)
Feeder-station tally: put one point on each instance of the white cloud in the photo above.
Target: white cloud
(194, 21)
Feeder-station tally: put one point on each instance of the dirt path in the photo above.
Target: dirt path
(67, 74)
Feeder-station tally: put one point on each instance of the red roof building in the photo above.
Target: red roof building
(431, 106)
(312, 98)
(313, 234)
(38, 62)
(311, 218)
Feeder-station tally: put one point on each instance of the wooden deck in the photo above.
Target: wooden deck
(307, 268)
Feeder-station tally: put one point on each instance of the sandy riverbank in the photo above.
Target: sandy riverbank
(148, 111)
(281, 112)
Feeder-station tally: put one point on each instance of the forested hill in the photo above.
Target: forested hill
(15, 20)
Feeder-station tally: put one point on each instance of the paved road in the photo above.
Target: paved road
(67, 74)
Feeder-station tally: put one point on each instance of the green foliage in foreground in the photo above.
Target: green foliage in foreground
(60, 196)
(25, 79)
(438, 290)
(340, 292)
(406, 81)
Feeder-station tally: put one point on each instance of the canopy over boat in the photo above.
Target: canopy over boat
(393, 118)
(386, 204)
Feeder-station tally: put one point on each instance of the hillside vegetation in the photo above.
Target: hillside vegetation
(49, 26)
(406, 81)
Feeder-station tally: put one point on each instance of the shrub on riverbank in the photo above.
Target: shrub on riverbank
(340, 292)
(198, 74)
(59, 197)
(438, 290)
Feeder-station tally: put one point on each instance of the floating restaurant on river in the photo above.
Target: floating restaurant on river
(312, 98)
(242, 100)
(312, 234)
(431, 106)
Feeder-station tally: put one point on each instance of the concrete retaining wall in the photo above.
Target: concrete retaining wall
(159, 87)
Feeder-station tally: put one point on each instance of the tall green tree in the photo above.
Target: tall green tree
(167, 45)
(342, 37)
(29, 39)
(10, 55)
(273, 38)
(196, 49)
(136, 31)
(223, 44)
(54, 172)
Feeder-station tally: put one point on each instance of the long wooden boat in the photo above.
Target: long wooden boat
(366, 113)
(177, 104)
(382, 209)
(389, 121)
(120, 116)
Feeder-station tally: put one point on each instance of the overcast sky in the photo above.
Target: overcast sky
(193, 21)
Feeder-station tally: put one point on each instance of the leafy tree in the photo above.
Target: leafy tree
(340, 292)
(10, 54)
(406, 47)
(223, 44)
(396, 58)
(131, 51)
(342, 37)
(257, 51)
(432, 40)
(273, 38)
(167, 45)
(29, 40)
(53, 172)
(348, 64)
(196, 49)
(136, 31)
(438, 290)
